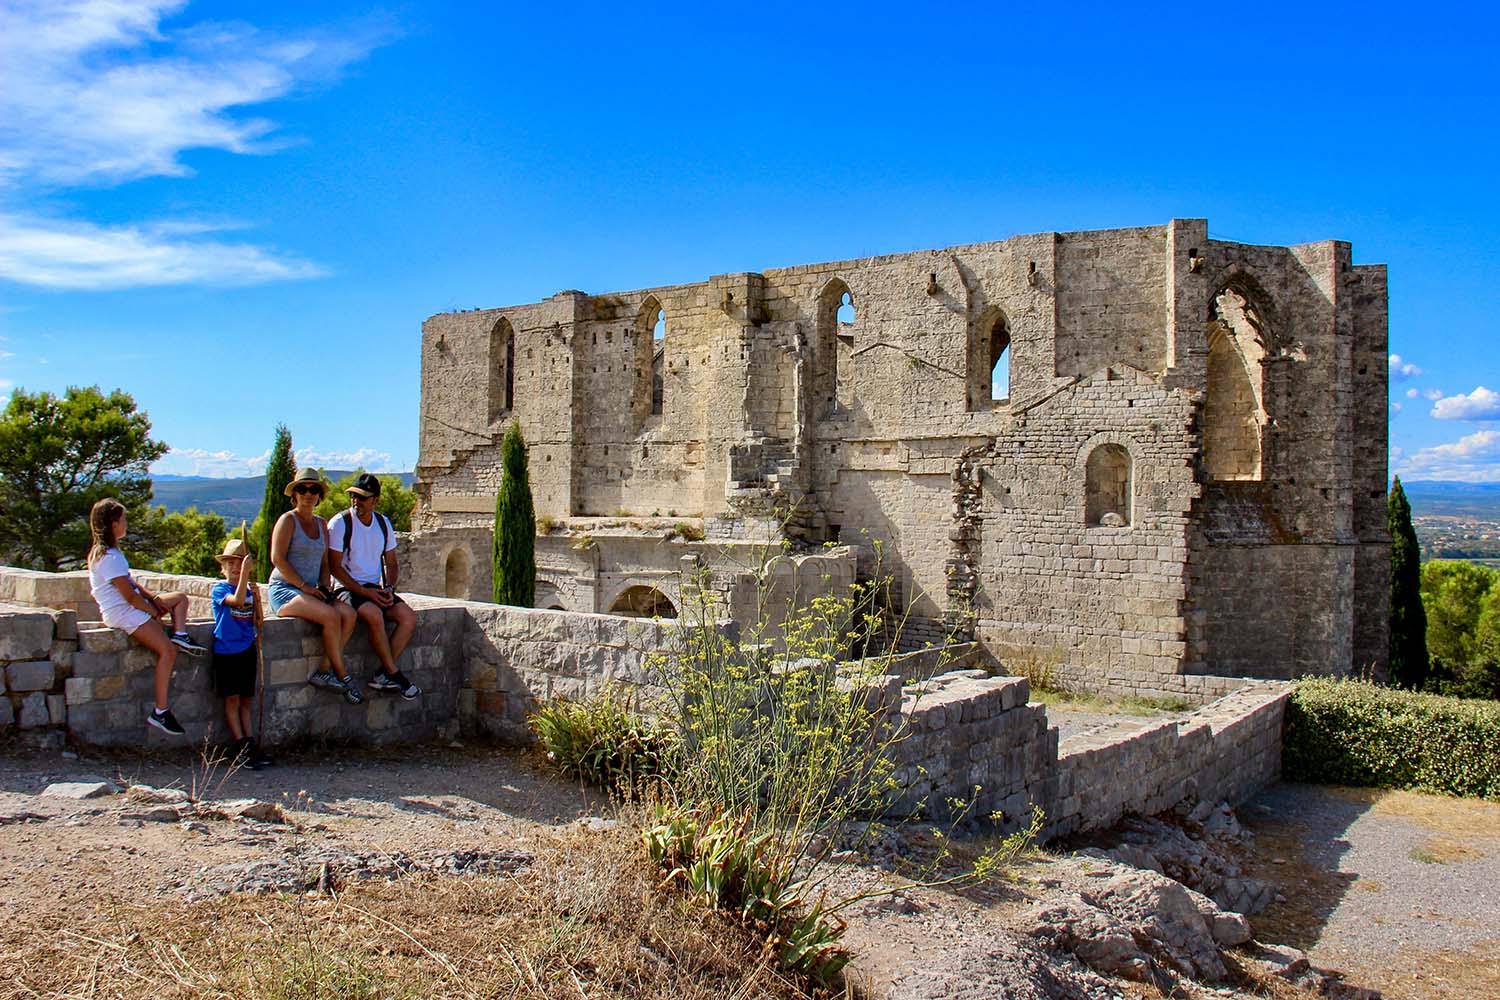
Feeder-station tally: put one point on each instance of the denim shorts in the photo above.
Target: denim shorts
(280, 592)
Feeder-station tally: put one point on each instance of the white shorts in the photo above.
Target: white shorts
(128, 620)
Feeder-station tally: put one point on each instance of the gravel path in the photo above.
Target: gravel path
(1404, 888)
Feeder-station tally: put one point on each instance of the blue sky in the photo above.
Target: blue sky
(241, 213)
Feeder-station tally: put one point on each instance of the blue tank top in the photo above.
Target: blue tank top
(305, 554)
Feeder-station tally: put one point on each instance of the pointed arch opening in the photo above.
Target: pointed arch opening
(1109, 490)
(650, 362)
(833, 337)
(1234, 412)
(502, 382)
(989, 361)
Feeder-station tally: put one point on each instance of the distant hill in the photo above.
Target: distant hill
(232, 499)
(1436, 498)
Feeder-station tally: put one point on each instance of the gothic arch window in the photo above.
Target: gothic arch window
(649, 390)
(989, 361)
(502, 387)
(456, 574)
(834, 335)
(1109, 490)
(1234, 412)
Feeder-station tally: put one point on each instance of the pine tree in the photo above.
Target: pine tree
(514, 547)
(280, 470)
(1408, 650)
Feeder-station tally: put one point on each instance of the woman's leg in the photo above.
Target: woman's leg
(151, 635)
(326, 617)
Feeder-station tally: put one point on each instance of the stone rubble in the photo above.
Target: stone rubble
(319, 869)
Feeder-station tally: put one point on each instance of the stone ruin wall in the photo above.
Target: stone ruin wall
(483, 668)
(1248, 434)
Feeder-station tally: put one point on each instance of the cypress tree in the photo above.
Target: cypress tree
(514, 548)
(1408, 650)
(280, 470)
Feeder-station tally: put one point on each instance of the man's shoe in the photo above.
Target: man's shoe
(327, 680)
(408, 690)
(256, 759)
(384, 683)
(164, 720)
(185, 642)
(351, 691)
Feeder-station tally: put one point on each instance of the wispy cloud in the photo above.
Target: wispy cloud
(1402, 370)
(1481, 404)
(80, 255)
(100, 92)
(1474, 458)
(228, 465)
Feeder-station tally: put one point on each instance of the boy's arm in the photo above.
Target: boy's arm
(237, 598)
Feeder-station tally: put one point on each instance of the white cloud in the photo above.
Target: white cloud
(81, 255)
(101, 92)
(228, 465)
(6, 385)
(1395, 407)
(1411, 394)
(1433, 394)
(1474, 458)
(1402, 370)
(1481, 404)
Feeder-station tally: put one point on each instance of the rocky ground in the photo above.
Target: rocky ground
(1397, 892)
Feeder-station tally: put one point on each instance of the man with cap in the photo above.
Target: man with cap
(362, 557)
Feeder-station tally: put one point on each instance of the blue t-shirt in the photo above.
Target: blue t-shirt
(234, 628)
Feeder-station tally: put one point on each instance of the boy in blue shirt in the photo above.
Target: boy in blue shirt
(234, 650)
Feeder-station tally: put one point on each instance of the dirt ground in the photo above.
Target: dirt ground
(1396, 891)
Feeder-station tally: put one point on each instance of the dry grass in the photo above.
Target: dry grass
(587, 919)
(1441, 850)
(1458, 817)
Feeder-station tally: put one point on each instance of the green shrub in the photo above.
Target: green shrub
(603, 742)
(1355, 733)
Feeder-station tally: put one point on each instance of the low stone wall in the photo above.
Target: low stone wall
(484, 668)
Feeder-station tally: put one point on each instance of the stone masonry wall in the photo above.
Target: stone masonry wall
(484, 668)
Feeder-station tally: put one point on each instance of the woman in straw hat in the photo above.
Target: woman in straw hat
(299, 583)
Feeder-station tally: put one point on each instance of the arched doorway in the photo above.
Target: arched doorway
(456, 574)
(642, 601)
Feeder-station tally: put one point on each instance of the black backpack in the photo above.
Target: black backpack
(385, 536)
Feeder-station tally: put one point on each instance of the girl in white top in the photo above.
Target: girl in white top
(126, 605)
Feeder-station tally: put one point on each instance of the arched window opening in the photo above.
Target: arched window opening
(1108, 494)
(989, 361)
(456, 574)
(648, 387)
(643, 602)
(834, 336)
(999, 360)
(846, 312)
(502, 387)
(1234, 412)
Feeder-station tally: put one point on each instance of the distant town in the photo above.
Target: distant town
(1457, 520)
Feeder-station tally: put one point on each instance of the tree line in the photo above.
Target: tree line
(59, 455)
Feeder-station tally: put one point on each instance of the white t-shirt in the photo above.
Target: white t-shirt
(106, 569)
(363, 559)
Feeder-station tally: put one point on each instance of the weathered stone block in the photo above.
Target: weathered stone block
(78, 690)
(57, 710)
(25, 635)
(35, 675)
(33, 714)
(7, 713)
(102, 640)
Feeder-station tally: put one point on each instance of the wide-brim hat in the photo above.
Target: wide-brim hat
(234, 548)
(306, 475)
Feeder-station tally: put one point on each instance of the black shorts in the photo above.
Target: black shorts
(357, 601)
(234, 673)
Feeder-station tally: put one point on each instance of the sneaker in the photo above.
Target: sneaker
(351, 691)
(384, 682)
(164, 720)
(327, 680)
(185, 642)
(259, 759)
(408, 690)
(238, 752)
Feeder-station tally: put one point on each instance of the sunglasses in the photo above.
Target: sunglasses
(308, 489)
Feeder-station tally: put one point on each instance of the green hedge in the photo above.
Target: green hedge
(1355, 733)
